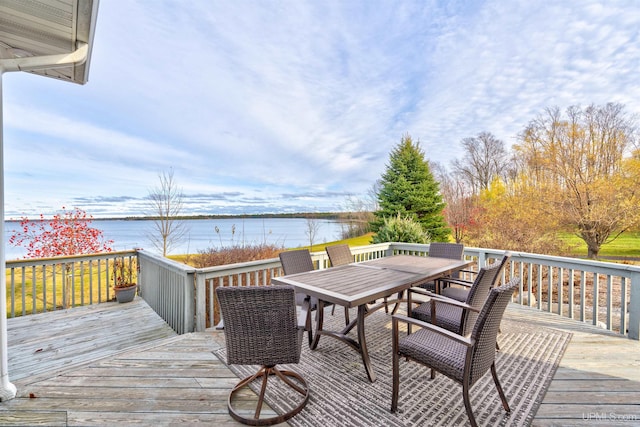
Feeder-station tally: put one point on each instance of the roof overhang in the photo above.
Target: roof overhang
(52, 38)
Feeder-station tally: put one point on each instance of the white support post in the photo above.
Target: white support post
(7, 389)
(79, 56)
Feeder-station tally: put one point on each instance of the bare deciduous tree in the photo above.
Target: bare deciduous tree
(360, 214)
(313, 226)
(165, 205)
(485, 158)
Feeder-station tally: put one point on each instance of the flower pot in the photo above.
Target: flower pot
(126, 294)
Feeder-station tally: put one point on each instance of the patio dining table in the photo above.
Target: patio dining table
(358, 284)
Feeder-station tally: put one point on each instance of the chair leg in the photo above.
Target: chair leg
(309, 328)
(494, 374)
(467, 404)
(288, 377)
(395, 369)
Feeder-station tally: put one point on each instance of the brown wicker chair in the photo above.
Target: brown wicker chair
(450, 314)
(439, 250)
(340, 255)
(463, 359)
(299, 261)
(458, 289)
(443, 250)
(261, 328)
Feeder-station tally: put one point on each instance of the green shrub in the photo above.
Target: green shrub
(399, 229)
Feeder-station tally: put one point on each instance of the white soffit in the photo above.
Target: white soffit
(33, 28)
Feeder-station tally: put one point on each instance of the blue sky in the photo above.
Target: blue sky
(294, 106)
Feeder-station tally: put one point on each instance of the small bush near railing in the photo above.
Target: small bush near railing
(234, 254)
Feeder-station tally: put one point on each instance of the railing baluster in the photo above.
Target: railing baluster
(550, 289)
(530, 283)
(44, 288)
(583, 297)
(571, 292)
(596, 292)
(24, 292)
(609, 301)
(13, 292)
(34, 301)
(560, 290)
(623, 306)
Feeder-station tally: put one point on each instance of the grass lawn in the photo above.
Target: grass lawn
(627, 245)
(355, 241)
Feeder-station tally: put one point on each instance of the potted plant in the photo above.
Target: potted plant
(124, 279)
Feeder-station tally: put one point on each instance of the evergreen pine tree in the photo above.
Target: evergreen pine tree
(408, 189)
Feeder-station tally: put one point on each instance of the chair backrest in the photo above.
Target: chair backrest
(486, 330)
(485, 280)
(503, 263)
(339, 254)
(446, 250)
(298, 261)
(260, 324)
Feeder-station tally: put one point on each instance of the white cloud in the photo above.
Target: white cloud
(261, 105)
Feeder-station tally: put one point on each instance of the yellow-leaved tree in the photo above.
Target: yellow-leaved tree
(581, 166)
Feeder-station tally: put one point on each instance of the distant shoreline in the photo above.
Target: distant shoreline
(339, 216)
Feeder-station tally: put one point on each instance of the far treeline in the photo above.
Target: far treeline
(311, 215)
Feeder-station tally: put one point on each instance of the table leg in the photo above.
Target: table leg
(362, 312)
(319, 321)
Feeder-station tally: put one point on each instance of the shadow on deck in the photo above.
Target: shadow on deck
(121, 364)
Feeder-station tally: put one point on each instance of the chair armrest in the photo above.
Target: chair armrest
(422, 291)
(467, 341)
(460, 282)
(451, 301)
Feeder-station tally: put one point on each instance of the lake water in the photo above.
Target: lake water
(201, 233)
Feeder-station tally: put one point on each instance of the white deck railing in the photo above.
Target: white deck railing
(49, 284)
(601, 293)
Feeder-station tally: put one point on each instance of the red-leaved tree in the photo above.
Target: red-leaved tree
(67, 233)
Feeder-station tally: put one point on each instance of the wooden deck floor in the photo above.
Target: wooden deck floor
(75, 368)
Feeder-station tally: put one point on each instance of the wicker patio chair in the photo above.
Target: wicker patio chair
(340, 255)
(451, 314)
(443, 250)
(463, 359)
(299, 261)
(261, 328)
(439, 250)
(458, 289)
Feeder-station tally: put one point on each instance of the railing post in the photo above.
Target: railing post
(190, 302)
(634, 307)
(201, 303)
